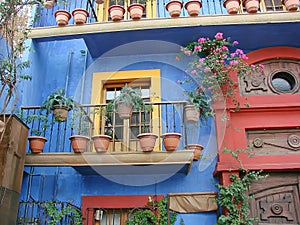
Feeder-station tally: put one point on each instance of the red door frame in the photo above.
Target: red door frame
(284, 113)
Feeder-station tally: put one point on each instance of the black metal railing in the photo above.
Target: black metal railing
(89, 120)
(35, 213)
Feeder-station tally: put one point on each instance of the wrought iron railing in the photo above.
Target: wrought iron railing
(35, 213)
(89, 120)
(155, 9)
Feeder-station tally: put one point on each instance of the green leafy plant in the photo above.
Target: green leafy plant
(56, 215)
(155, 213)
(60, 99)
(234, 198)
(129, 96)
(213, 63)
(80, 121)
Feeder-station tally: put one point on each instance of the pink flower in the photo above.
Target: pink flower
(187, 52)
(201, 60)
(197, 48)
(201, 40)
(177, 58)
(233, 63)
(193, 72)
(206, 69)
(224, 48)
(219, 36)
(235, 43)
(199, 66)
(179, 82)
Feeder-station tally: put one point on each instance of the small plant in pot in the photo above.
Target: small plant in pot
(80, 124)
(128, 99)
(199, 106)
(60, 104)
(36, 141)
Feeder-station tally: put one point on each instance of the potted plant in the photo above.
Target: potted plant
(174, 8)
(171, 140)
(251, 6)
(193, 7)
(36, 141)
(80, 15)
(232, 6)
(198, 106)
(147, 141)
(60, 104)
(128, 99)
(197, 150)
(80, 123)
(136, 9)
(62, 17)
(116, 11)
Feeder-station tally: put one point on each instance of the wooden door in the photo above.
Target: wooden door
(276, 199)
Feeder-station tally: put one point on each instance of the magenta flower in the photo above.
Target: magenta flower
(201, 60)
(206, 69)
(219, 36)
(201, 40)
(235, 43)
(193, 72)
(177, 58)
(187, 52)
(197, 48)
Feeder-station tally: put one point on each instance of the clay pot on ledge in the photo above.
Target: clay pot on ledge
(136, 11)
(191, 114)
(62, 17)
(197, 150)
(101, 142)
(124, 111)
(232, 6)
(171, 141)
(174, 8)
(251, 6)
(147, 141)
(79, 143)
(193, 7)
(291, 5)
(116, 12)
(36, 143)
(80, 16)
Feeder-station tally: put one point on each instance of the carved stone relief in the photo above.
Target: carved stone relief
(274, 142)
(263, 83)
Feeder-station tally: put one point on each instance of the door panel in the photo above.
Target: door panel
(276, 199)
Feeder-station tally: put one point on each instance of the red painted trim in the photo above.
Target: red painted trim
(265, 112)
(89, 203)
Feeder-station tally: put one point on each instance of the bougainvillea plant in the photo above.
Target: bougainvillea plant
(214, 60)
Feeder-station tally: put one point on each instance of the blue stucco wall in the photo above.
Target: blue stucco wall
(67, 64)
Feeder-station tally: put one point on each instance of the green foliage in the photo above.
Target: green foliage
(201, 101)
(80, 121)
(156, 213)
(129, 96)
(56, 215)
(235, 196)
(58, 98)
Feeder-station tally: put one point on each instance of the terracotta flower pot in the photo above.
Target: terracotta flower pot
(232, 6)
(101, 142)
(80, 16)
(48, 4)
(62, 17)
(197, 150)
(147, 141)
(99, 1)
(252, 6)
(116, 12)
(60, 113)
(171, 141)
(291, 5)
(174, 8)
(193, 7)
(124, 111)
(136, 11)
(191, 114)
(79, 143)
(36, 143)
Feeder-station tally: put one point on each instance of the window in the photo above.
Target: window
(103, 15)
(283, 82)
(107, 85)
